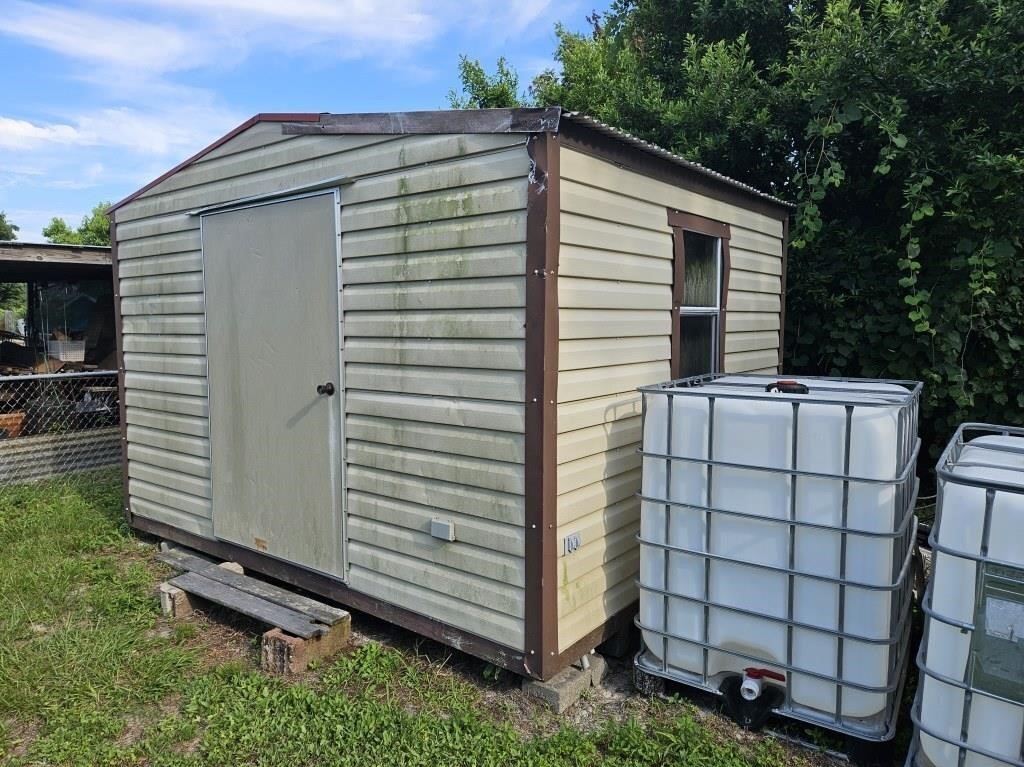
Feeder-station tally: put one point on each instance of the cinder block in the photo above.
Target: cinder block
(598, 669)
(174, 602)
(282, 653)
(563, 690)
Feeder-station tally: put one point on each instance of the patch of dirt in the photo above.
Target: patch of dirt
(134, 729)
(21, 735)
(225, 637)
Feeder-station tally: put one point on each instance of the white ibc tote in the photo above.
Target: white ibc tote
(970, 702)
(776, 535)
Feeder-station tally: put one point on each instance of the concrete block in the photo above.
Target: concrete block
(563, 690)
(598, 669)
(233, 567)
(282, 653)
(174, 602)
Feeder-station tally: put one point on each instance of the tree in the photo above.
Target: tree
(8, 229)
(12, 294)
(94, 229)
(483, 91)
(896, 127)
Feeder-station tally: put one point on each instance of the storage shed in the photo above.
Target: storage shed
(393, 358)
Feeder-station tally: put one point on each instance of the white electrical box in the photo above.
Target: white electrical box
(443, 529)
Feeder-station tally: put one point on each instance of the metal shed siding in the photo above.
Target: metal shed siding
(614, 294)
(433, 263)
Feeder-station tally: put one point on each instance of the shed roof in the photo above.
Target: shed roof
(32, 261)
(521, 120)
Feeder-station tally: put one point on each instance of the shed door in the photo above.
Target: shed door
(272, 326)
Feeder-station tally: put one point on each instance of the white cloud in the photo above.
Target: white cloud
(131, 42)
(85, 177)
(302, 22)
(22, 134)
(122, 44)
(173, 129)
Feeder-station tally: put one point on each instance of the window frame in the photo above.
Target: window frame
(680, 223)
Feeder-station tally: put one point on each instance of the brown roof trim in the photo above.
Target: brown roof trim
(262, 117)
(541, 493)
(317, 583)
(538, 120)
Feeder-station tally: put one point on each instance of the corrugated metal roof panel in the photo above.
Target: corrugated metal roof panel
(628, 138)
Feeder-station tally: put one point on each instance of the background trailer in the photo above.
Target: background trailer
(393, 358)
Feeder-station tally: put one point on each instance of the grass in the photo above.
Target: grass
(92, 674)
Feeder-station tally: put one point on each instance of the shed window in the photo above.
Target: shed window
(699, 292)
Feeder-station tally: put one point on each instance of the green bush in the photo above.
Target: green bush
(896, 127)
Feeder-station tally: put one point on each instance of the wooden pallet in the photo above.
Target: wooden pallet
(304, 629)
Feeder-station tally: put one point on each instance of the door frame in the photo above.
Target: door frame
(337, 426)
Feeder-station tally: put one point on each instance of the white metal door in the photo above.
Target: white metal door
(272, 326)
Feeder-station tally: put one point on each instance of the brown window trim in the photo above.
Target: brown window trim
(688, 222)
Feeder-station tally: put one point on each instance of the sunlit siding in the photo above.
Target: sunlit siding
(433, 265)
(614, 295)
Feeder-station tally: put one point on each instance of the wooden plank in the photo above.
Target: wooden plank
(182, 559)
(311, 608)
(26, 252)
(262, 610)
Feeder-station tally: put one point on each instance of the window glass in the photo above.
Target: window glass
(697, 333)
(700, 281)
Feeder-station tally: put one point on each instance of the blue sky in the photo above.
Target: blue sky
(101, 96)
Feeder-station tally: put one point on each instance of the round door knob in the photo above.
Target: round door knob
(325, 388)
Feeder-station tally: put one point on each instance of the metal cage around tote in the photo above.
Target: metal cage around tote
(983, 564)
(902, 537)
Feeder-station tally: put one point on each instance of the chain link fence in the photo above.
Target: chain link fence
(57, 425)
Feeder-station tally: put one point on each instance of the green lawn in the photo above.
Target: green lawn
(91, 674)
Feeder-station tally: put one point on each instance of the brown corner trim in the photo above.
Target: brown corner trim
(532, 120)
(292, 117)
(782, 294)
(317, 583)
(119, 355)
(541, 494)
(618, 622)
(630, 158)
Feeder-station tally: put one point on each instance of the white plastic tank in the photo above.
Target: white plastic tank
(970, 704)
(745, 568)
